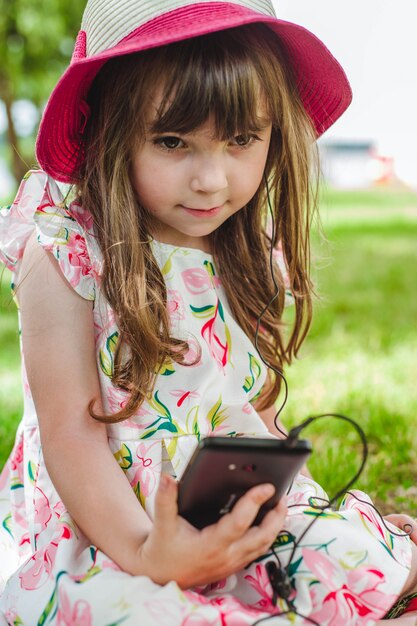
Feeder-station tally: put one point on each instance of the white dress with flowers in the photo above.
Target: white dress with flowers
(348, 569)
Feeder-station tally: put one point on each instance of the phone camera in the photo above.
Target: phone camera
(249, 467)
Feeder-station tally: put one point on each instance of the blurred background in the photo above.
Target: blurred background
(360, 357)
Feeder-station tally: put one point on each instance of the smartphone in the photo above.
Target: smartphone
(222, 469)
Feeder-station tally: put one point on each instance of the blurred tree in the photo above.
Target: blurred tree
(36, 43)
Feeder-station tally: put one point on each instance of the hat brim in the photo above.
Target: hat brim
(321, 81)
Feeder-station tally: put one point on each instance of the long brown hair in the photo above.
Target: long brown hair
(221, 76)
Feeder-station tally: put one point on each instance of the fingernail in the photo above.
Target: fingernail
(268, 490)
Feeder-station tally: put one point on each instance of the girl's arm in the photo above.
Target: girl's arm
(59, 353)
(59, 349)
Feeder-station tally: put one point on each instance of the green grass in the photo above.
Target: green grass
(360, 358)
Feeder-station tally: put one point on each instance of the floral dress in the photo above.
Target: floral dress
(348, 569)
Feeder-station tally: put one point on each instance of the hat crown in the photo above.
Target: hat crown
(107, 22)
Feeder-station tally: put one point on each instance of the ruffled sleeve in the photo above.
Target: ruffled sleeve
(65, 232)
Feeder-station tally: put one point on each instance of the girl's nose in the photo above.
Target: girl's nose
(209, 174)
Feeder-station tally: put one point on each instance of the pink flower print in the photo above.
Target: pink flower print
(43, 512)
(197, 280)
(38, 570)
(83, 217)
(261, 584)
(78, 256)
(47, 199)
(147, 473)
(116, 399)
(370, 518)
(17, 455)
(77, 615)
(175, 305)
(16, 463)
(184, 396)
(219, 349)
(353, 598)
(12, 617)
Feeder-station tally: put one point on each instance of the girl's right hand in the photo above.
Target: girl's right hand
(175, 550)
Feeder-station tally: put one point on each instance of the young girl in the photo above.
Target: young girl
(139, 300)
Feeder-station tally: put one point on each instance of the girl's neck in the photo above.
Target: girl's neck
(202, 243)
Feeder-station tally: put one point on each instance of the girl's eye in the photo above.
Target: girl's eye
(244, 141)
(168, 142)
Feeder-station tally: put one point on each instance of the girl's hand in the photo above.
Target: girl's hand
(404, 523)
(175, 550)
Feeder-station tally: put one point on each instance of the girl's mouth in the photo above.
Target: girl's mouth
(203, 212)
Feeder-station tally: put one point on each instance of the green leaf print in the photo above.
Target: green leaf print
(210, 268)
(293, 567)
(204, 312)
(50, 606)
(221, 312)
(16, 484)
(167, 267)
(255, 372)
(139, 494)
(320, 513)
(355, 559)
(216, 416)
(93, 571)
(7, 524)
(159, 407)
(32, 471)
(166, 369)
(283, 539)
(107, 356)
(168, 264)
(169, 426)
(62, 237)
(124, 457)
(164, 420)
(191, 423)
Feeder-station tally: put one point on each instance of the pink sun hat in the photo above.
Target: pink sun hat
(113, 28)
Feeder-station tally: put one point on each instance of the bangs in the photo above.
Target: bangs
(214, 76)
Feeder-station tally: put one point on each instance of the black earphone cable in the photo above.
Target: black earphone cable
(279, 575)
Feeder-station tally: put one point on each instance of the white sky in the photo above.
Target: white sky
(376, 43)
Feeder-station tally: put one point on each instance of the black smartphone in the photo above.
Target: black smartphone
(222, 469)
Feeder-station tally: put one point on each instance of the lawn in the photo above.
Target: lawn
(359, 359)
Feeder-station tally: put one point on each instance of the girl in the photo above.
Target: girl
(175, 123)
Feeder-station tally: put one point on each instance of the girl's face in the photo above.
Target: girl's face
(193, 182)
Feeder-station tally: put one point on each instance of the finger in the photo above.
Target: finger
(236, 523)
(166, 507)
(259, 539)
(404, 522)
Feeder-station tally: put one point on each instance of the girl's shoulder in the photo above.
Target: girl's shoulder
(64, 231)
